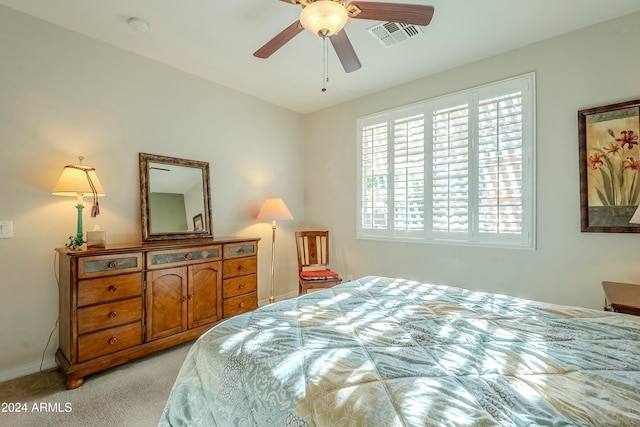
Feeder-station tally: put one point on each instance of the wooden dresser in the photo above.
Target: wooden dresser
(127, 301)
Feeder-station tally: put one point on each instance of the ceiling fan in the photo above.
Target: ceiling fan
(326, 18)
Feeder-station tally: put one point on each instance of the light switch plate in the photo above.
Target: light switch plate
(6, 229)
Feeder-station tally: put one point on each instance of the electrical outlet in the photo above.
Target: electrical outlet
(349, 277)
(6, 229)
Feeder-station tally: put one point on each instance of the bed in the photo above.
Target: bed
(387, 352)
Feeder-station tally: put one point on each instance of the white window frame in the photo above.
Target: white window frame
(523, 240)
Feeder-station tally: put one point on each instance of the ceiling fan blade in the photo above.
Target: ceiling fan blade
(278, 41)
(344, 49)
(415, 14)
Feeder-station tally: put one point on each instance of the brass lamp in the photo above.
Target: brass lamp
(79, 180)
(273, 210)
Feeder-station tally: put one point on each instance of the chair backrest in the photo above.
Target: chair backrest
(622, 293)
(313, 250)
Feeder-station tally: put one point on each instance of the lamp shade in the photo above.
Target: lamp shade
(78, 179)
(274, 210)
(324, 17)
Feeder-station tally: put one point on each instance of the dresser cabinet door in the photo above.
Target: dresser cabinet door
(182, 298)
(166, 305)
(205, 282)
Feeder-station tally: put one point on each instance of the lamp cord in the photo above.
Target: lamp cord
(55, 326)
(95, 209)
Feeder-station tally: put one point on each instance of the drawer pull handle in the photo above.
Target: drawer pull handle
(113, 340)
(113, 264)
(112, 314)
(112, 288)
(240, 286)
(241, 305)
(241, 250)
(187, 256)
(241, 267)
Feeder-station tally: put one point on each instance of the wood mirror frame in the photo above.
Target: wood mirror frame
(196, 215)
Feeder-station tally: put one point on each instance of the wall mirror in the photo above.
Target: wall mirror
(175, 200)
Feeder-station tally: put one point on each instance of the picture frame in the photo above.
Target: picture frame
(610, 168)
(198, 224)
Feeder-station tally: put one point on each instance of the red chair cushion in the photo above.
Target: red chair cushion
(318, 275)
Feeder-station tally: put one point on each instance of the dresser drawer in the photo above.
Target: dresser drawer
(239, 304)
(237, 250)
(108, 315)
(111, 288)
(94, 266)
(179, 257)
(239, 285)
(108, 341)
(239, 267)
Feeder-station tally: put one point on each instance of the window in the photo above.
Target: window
(454, 169)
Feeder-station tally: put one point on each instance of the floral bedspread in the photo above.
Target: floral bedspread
(391, 352)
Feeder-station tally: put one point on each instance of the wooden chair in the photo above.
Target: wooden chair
(622, 297)
(313, 261)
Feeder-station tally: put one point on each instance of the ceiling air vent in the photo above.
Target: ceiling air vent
(391, 33)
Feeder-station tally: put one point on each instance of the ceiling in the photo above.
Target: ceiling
(215, 40)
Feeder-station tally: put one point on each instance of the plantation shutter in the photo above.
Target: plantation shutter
(374, 173)
(500, 160)
(450, 183)
(408, 166)
(457, 169)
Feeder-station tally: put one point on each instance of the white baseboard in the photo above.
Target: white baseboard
(24, 370)
(278, 298)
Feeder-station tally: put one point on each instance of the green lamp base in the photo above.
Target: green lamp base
(78, 240)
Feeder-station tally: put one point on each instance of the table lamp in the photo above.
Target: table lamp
(78, 180)
(273, 210)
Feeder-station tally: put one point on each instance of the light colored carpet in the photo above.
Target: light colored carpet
(133, 394)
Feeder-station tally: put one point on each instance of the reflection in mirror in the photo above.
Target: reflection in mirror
(174, 198)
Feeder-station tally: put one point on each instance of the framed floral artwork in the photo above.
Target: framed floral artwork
(610, 168)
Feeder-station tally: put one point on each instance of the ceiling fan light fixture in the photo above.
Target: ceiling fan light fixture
(324, 17)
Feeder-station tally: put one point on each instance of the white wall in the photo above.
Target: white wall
(63, 95)
(595, 66)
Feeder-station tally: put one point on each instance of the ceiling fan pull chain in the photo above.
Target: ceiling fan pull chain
(325, 66)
